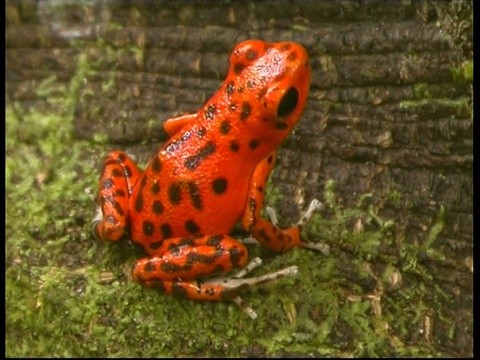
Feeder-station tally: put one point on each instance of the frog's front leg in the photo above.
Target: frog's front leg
(174, 125)
(265, 232)
(118, 178)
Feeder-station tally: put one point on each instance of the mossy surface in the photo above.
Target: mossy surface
(68, 295)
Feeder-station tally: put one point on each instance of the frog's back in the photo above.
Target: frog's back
(197, 183)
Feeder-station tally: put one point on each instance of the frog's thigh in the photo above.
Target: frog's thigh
(116, 182)
(195, 257)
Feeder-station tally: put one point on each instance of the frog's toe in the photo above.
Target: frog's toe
(272, 214)
(245, 308)
(322, 247)
(106, 228)
(97, 219)
(249, 267)
(314, 206)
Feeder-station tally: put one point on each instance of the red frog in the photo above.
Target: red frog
(210, 174)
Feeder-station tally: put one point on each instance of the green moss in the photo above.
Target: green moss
(68, 295)
(460, 103)
(468, 71)
(464, 73)
(460, 106)
(300, 28)
(421, 91)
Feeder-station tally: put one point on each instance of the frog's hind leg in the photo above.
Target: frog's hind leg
(188, 259)
(119, 175)
(179, 263)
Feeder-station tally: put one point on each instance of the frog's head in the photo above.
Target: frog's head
(269, 84)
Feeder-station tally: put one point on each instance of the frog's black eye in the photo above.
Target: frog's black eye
(288, 103)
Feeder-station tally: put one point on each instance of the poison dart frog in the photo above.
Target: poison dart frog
(207, 177)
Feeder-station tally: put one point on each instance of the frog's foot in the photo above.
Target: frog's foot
(314, 206)
(233, 285)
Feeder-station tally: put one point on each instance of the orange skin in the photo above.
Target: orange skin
(210, 174)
